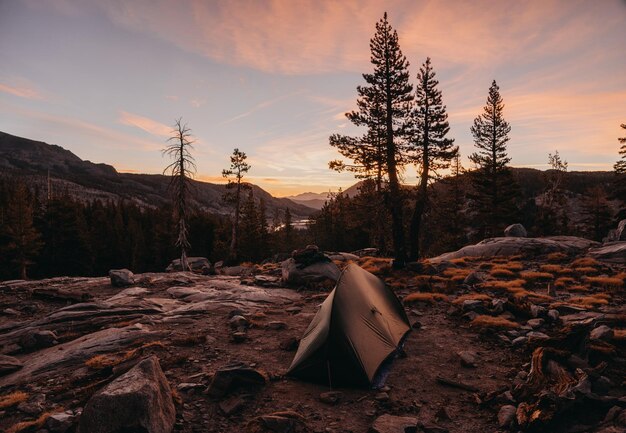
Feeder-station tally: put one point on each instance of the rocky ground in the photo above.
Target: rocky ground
(531, 342)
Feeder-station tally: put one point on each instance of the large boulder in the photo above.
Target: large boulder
(515, 231)
(8, 364)
(613, 252)
(294, 273)
(139, 400)
(199, 265)
(619, 234)
(510, 246)
(121, 277)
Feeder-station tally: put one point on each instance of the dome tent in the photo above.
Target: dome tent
(359, 326)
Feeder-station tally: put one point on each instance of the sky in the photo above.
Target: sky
(107, 78)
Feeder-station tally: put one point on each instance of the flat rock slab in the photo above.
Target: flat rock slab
(393, 424)
(510, 246)
(614, 252)
(62, 359)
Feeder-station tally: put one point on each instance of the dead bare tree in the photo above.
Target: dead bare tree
(182, 169)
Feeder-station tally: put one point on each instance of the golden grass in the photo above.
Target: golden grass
(456, 274)
(552, 269)
(564, 282)
(459, 261)
(512, 266)
(425, 297)
(585, 262)
(567, 272)
(485, 265)
(471, 297)
(619, 334)
(498, 272)
(605, 282)
(375, 264)
(30, 425)
(500, 260)
(591, 300)
(520, 293)
(485, 321)
(502, 285)
(100, 362)
(586, 270)
(532, 276)
(12, 399)
(578, 288)
(556, 257)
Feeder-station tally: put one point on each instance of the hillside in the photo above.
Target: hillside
(86, 180)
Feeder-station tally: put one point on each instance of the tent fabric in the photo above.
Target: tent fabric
(359, 325)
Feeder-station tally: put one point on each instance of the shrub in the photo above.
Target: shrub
(564, 282)
(12, 399)
(502, 285)
(585, 262)
(485, 321)
(425, 297)
(532, 276)
(605, 282)
(556, 257)
(587, 270)
(471, 297)
(552, 269)
(375, 265)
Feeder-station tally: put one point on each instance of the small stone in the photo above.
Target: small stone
(289, 344)
(277, 325)
(38, 340)
(233, 376)
(553, 315)
(121, 277)
(468, 359)
(473, 278)
(535, 323)
(331, 397)
(381, 396)
(393, 424)
(34, 406)
(498, 305)
(506, 415)
(515, 231)
(602, 332)
(537, 310)
(471, 304)
(186, 386)
(238, 322)
(239, 337)
(416, 325)
(537, 335)
(60, 422)
(9, 364)
(442, 414)
(232, 405)
(519, 341)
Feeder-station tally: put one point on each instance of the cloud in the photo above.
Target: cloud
(22, 92)
(262, 105)
(146, 124)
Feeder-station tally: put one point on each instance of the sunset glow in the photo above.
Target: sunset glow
(106, 79)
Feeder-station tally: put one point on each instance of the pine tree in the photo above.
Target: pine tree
(553, 218)
(181, 170)
(250, 236)
(433, 151)
(495, 191)
(238, 168)
(24, 241)
(619, 189)
(597, 213)
(287, 230)
(384, 107)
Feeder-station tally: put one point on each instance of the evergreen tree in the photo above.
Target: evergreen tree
(433, 151)
(619, 189)
(250, 235)
(384, 107)
(495, 191)
(263, 229)
(553, 218)
(238, 168)
(181, 170)
(287, 230)
(597, 213)
(23, 240)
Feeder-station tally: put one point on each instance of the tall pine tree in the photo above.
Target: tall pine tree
(384, 107)
(495, 192)
(235, 173)
(433, 151)
(619, 190)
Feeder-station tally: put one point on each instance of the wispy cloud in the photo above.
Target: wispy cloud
(21, 91)
(260, 106)
(146, 124)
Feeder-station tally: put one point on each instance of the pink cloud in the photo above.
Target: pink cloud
(22, 92)
(146, 124)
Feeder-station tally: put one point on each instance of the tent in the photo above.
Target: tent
(358, 329)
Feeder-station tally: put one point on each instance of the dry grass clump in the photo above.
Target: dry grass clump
(12, 399)
(30, 425)
(485, 265)
(375, 265)
(556, 257)
(585, 262)
(532, 276)
(502, 285)
(595, 300)
(459, 261)
(552, 269)
(520, 293)
(457, 274)
(512, 266)
(500, 260)
(425, 297)
(605, 282)
(471, 297)
(564, 282)
(100, 362)
(499, 272)
(578, 288)
(485, 321)
(619, 334)
(586, 270)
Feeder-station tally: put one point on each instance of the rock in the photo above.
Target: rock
(366, 252)
(331, 397)
(61, 422)
(619, 234)
(197, 264)
(9, 364)
(506, 415)
(537, 335)
(232, 405)
(278, 422)
(613, 252)
(537, 310)
(233, 376)
(535, 323)
(602, 332)
(602, 385)
(237, 322)
(289, 344)
(468, 359)
(509, 246)
(236, 271)
(34, 405)
(473, 278)
(553, 315)
(393, 424)
(38, 340)
(471, 305)
(498, 305)
(515, 231)
(381, 396)
(186, 386)
(239, 336)
(294, 273)
(427, 427)
(519, 341)
(139, 400)
(121, 277)
(277, 325)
